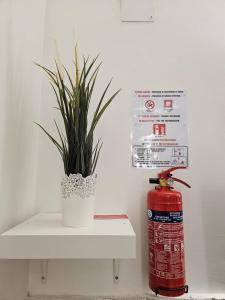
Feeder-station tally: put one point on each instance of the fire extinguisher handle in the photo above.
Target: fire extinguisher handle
(165, 173)
(154, 180)
(181, 181)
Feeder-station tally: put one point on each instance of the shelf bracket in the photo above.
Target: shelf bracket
(116, 265)
(44, 271)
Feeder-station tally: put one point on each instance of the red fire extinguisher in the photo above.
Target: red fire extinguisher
(166, 237)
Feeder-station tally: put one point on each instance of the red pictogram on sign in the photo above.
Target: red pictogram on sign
(159, 129)
(168, 104)
(149, 104)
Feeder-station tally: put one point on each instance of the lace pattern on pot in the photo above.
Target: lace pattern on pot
(79, 185)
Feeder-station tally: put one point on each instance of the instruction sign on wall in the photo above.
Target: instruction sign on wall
(159, 134)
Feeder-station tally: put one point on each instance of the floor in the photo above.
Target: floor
(137, 297)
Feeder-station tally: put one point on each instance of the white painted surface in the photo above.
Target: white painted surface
(78, 211)
(184, 48)
(44, 237)
(20, 90)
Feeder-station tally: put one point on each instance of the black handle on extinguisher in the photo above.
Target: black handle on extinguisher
(154, 180)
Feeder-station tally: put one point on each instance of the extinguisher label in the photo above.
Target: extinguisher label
(166, 244)
(165, 216)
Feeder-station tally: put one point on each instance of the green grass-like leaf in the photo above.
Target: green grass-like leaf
(75, 143)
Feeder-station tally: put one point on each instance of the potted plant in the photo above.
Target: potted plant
(75, 143)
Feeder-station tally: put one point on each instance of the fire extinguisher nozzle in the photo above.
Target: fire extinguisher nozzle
(154, 180)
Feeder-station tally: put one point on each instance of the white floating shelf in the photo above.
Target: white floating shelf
(44, 237)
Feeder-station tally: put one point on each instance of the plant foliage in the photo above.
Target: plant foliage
(75, 144)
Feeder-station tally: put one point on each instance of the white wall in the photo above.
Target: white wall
(19, 100)
(184, 48)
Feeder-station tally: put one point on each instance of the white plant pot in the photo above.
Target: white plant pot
(78, 200)
(78, 211)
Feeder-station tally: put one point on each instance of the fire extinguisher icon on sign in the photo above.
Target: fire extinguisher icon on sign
(159, 129)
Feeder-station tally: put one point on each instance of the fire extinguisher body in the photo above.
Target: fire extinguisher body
(166, 242)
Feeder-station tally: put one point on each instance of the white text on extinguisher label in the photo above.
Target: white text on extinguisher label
(166, 245)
